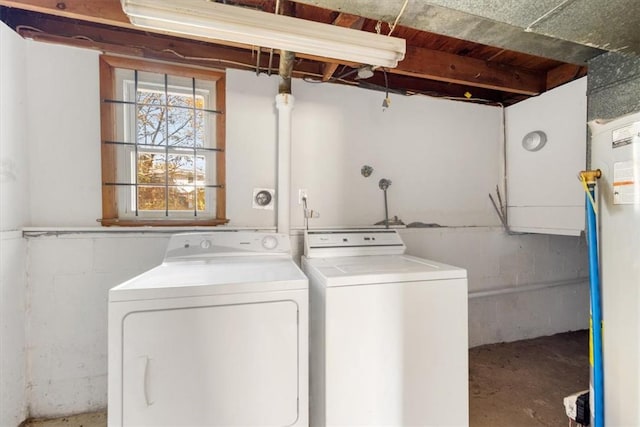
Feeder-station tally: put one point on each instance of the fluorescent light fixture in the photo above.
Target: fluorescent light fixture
(206, 20)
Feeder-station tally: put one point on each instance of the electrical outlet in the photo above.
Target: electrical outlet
(302, 193)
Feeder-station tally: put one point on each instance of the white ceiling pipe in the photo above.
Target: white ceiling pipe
(284, 104)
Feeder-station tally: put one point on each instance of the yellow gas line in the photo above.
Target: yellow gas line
(590, 177)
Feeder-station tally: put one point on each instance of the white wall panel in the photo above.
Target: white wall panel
(64, 135)
(544, 193)
(14, 180)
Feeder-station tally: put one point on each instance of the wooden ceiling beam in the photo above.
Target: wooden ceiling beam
(447, 67)
(120, 41)
(432, 88)
(342, 20)
(328, 68)
(108, 12)
(419, 62)
(563, 74)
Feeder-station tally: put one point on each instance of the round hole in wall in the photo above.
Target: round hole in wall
(534, 141)
(263, 198)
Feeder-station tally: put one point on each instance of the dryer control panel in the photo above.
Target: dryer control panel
(226, 243)
(331, 243)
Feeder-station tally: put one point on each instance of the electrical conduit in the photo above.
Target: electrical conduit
(588, 179)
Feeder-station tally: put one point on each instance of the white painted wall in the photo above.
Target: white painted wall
(64, 135)
(442, 157)
(13, 215)
(14, 172)
(251, 146)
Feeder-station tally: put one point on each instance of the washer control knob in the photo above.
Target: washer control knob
(269, 242)
(205, 244)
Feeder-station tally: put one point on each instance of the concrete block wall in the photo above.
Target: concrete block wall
(13, 319)
(69, 280)
(520, 286)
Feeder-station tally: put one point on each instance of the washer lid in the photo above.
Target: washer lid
(364, 270)
(217, 276)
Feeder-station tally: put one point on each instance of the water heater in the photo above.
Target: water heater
(615, 150)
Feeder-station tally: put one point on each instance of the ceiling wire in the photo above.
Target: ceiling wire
(85, 38)
(544, 16)
(275, 11)
(28, 27)
(206, 59)
(404, 6)
(258, 61)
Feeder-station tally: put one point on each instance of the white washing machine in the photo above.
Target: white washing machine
(217, 335)
(388, 333)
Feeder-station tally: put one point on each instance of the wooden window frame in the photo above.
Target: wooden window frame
(108, 123)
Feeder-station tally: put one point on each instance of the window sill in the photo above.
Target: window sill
(124, 222)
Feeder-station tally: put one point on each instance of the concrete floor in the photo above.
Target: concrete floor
(523, 383)
(93, 419)
(516, 384)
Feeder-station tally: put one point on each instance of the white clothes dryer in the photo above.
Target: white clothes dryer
(388, 333)
(215, 336)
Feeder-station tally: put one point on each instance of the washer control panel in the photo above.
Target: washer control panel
(269, 242)
(328, 243)
(225, 243)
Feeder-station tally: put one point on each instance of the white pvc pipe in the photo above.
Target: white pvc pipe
(527, 288)
(284, 104)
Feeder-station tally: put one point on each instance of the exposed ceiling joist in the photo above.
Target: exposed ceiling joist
(563, 74)
(419, 62)
(152, 46)
(447, 67)
(343, 20)
(106, 12)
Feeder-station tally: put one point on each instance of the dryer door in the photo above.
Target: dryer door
(226, 365)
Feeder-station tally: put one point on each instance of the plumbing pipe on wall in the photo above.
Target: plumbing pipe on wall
(284, 104)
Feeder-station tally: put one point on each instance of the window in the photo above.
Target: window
(163, 141)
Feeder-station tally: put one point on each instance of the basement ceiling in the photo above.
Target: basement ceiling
(492, 51)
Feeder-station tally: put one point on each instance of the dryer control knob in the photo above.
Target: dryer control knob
(269, 242)
(205, 244)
